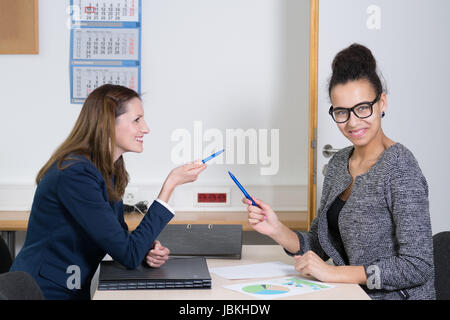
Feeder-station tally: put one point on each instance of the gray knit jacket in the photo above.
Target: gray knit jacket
(385, 225)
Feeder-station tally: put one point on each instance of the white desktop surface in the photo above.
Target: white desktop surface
(250, 254)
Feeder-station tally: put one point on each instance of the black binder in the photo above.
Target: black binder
(175, 273)
(204, 240)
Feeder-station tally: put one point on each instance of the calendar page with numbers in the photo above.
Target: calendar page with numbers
(105, 45)
(107, 10)
(101, 44)
(85, 79)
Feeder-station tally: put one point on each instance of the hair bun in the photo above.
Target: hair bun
(357, 58)
(354, 63)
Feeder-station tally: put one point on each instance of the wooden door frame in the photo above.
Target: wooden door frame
(313, 96)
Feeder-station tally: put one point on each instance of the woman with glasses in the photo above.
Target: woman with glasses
(373, 221)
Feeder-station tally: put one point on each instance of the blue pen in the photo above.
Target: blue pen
(213, 156)
(242, 189)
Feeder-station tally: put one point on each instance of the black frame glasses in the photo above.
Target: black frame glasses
(349, 110)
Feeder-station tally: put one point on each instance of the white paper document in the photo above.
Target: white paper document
(258, 270)
(279, 288)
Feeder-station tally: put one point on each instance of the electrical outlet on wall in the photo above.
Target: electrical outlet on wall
(130, 196)
(212, 197)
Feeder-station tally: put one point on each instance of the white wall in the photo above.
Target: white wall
(412, 50)
(228, 63)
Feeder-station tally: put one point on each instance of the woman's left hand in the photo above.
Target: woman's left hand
(310, 264)
(157, 255)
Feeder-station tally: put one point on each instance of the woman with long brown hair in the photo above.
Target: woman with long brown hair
(77, 214)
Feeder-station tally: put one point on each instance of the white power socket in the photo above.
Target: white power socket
(130, 196)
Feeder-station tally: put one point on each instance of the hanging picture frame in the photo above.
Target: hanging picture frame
(19, 27)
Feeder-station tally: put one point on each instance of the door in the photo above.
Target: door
(409, 39)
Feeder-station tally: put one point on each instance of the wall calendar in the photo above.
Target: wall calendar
(105, 45)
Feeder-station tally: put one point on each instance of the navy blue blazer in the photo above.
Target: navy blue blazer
(73, 225)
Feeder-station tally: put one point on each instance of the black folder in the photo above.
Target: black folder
(203, 240)
(176, 273)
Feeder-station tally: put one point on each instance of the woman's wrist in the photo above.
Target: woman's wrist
(350, 274)
(287, 238)
(170, 184)
(277, 232)
(167, 190)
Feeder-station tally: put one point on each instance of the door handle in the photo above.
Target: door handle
(328, 151)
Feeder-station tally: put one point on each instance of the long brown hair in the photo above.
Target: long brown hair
(93, 136)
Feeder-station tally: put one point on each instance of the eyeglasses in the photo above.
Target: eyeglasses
(362, 110)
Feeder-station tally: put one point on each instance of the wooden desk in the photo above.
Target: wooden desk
(14, 220)
(250, 254)
(294, 220)
(11, 221)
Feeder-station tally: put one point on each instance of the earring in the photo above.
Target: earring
(383, 114)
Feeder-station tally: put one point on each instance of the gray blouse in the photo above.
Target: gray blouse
(384, 225)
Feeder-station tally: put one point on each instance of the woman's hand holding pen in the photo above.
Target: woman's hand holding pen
(180, 175)
(265, 221)
(262, 218)
(186, 173)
